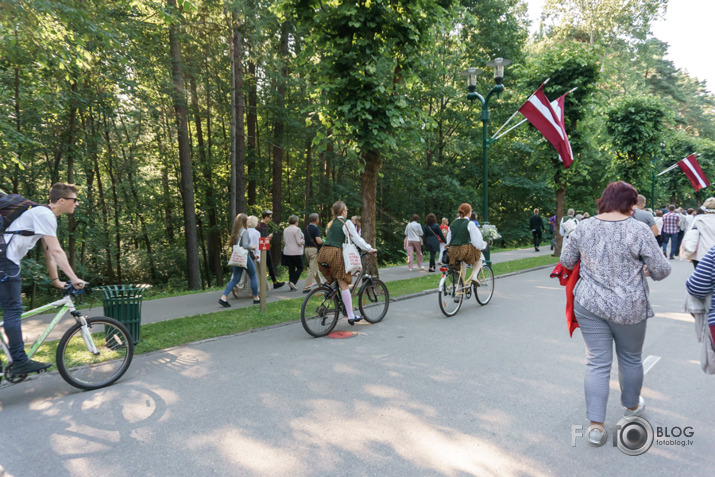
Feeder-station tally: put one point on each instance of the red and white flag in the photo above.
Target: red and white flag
(692, 169)
(550, 122)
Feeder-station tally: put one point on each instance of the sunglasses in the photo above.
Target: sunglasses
(75, 199)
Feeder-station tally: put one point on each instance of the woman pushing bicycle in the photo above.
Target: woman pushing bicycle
(331, 254)
(464, 238)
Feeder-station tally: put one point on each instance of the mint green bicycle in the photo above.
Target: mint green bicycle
(93, 353)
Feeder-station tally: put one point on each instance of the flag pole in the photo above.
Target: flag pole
(510, 129)
(668, 169)
(517, 111)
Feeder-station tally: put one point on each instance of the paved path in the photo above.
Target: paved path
(189, 305)
(492, 391)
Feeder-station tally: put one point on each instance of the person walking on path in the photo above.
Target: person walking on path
(255, 235)
(293, 251)
(536, 224)
(671, 221)
(357, 221)
(552, 230)
(444, 227)
(611, 304)
(313, 241)
(659, 225)
(566, 226)
(473, 217)
(241, 237)
(413, 242)
(331, 253)
(702, 283)
(646, 217)
(433, 239)
(266, 217)
(705, 225)
(684, 224)
(40, 222)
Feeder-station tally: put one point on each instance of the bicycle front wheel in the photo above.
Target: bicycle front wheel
(484, 285)
(84, 369)
(451, 293)
(319, 312)
(373, 300)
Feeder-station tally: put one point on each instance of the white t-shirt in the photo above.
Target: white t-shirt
(414, 231)
(254, 235)
(40, 220)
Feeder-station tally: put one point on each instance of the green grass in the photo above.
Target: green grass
(167, 334)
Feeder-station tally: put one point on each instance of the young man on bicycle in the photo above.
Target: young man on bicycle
(42, 221)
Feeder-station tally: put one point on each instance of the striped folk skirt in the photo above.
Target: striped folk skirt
(464, 253)
(333, 256)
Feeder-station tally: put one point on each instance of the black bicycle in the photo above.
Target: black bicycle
(323, 305)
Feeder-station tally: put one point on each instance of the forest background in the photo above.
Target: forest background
(172, 116)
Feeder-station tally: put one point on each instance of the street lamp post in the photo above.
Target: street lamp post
(471, 74)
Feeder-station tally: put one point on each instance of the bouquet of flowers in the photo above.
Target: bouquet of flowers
(489, 232)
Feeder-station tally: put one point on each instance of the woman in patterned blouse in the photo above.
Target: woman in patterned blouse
(617, 253)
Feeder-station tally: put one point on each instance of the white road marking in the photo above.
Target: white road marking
(649, 362)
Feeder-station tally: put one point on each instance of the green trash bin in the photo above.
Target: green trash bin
(124, 303)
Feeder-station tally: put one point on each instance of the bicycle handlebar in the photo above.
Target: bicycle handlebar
(69, 289)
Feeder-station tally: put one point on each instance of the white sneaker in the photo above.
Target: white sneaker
(638, 411)
(595, 437)
(422, 267)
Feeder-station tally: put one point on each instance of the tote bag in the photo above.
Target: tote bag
(351, 256)
(239, 257)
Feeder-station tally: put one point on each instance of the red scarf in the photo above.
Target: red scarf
(568, 278)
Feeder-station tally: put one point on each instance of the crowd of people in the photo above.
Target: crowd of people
(297, 243)
(431, 237)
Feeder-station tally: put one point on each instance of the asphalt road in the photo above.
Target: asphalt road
(207, 302)
(494, 390)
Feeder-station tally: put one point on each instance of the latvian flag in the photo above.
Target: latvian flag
(697, 177)
(550, 122)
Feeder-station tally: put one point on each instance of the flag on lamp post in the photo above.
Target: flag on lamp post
(549, 121)
(692, 169)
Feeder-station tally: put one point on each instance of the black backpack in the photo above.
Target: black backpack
(11, 207)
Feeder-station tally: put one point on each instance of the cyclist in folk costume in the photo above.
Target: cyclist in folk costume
(331, 254)
(464, 238)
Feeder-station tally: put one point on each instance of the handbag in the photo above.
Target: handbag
(239, 256)
(351, 256)
(445, 256)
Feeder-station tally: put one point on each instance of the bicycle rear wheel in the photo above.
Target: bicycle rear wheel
(83, 369)
(319, 312)
(373, 299)
(484, 285)
(451, 293)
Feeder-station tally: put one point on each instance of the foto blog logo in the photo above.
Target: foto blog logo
(633, 435)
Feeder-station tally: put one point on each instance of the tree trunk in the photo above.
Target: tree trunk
(187, 180)
(559, 181)
(252, 127)
(71, 133)
(240, 124)
(213, 260)
(368, 180)
(308, 172)
(115, 200)
(278, 140)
